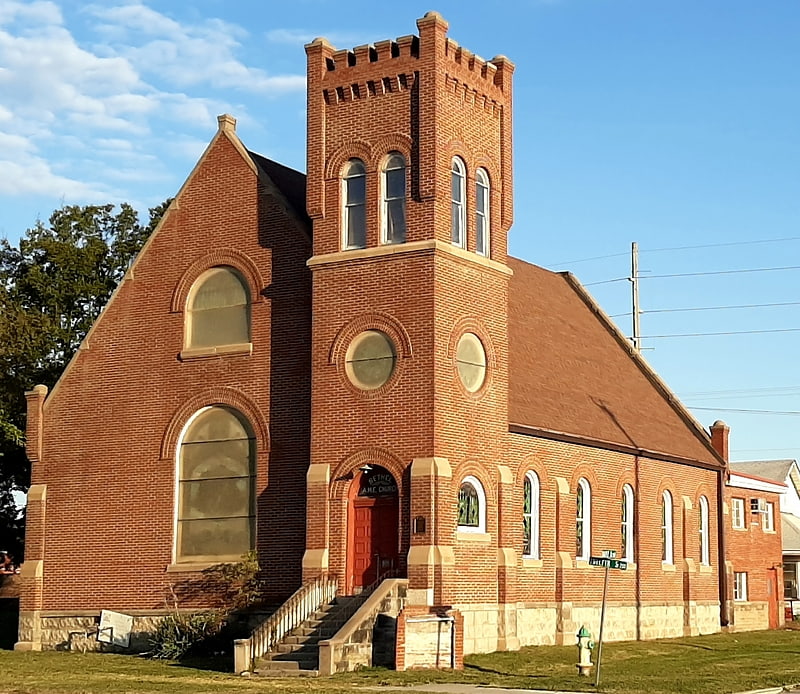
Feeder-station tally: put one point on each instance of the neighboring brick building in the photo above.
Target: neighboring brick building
(348, 372)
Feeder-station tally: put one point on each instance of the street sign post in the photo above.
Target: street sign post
(608, 560)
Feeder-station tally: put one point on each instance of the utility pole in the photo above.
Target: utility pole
(634, 280)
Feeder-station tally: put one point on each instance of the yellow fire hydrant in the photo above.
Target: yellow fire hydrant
(585, 646)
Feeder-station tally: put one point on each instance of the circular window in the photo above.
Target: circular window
(370, 360)
(471, 362)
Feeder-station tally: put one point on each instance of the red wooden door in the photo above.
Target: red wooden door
(373, 537)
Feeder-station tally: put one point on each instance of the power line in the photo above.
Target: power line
(740, 391)
(680, 248)
(719, 272)
(709, 308)
(730, 332)
(793, 413)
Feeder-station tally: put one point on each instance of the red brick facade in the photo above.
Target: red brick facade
(102, 513)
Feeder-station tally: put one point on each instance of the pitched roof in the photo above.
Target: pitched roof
(572, 373)
(775, 470)
(291, 183)
(790, 533)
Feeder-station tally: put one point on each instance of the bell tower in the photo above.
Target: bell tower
(409, 186)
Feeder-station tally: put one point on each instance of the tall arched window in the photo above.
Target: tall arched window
(583, 520)
(530, 516)
(458, 177)
(218, 310)
(627, 525)
(666, 528)
(354, 198)
(482, 199)
(471, 506)
(705, 548)
(393, 214)
(216, 500)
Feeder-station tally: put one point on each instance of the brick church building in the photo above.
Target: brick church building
(347, 372)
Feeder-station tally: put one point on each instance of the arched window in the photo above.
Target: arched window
(393, 217)
(530, 516)
(354, 197)
(627, 526)
(482, 199)
(705, 548)
(216, 474)
(583, 521)
(471, 506)
(218, 310)
(458, 176)
(666, 528)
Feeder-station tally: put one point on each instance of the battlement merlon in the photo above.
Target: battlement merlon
(361, 62)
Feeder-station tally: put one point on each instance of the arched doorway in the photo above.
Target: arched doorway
(372, 527)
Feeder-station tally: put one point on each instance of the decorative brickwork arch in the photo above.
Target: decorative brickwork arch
(396, 142)
(535, 463)
(357, 149)
(221, 257)
(489, 482)
(216, 396)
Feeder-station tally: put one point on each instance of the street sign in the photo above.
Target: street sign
(609, 553)
(608, 563)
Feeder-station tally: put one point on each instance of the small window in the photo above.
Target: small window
(471, 506)
(666, 528)
(583, 521)
(218, 310)
(737, 514)
(216, 473)
(769, 518)
(627, 523)
(394, 200)
(354, 196)
(471, 362)
(739, 586)
(370, 359)
(458, 174)
(705, 548)
(530, 516)
(482, 200)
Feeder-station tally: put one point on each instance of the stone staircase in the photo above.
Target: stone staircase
(297, 654)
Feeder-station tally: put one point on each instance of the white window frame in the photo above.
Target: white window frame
(740, 586)
(769, 518)
(584, 518)
(667, 555)
(483, 191)
(533, 516)
(458, 212)
(386, 200)
(737, 513)
(705, 545)
(481, 527)
(192, 314)
(346, 204)
(627, 524)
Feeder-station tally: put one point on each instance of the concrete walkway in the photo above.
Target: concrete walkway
(447, 688)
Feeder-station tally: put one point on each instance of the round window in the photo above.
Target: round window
(471, 362)
(370, 360)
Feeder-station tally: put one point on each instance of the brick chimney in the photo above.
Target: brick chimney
(719, 438)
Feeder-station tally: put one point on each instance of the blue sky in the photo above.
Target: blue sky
(672, 123)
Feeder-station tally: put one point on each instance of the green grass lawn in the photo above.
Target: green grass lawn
(707, 664)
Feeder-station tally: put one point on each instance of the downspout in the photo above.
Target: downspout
(724, 606)
(719, 440)
(637, 551)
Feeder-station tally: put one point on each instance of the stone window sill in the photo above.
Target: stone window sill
(480, 538)
(243, 349)
(667, 568)
(531, 563)
(195, 567)
(706, 569)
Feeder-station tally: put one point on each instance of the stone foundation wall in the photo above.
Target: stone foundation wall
(750, 616)
(661, 621)
(60, 632)
(481, 627)
(429, 643)
(536, 625)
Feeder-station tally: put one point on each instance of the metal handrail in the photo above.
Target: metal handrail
(309, 598)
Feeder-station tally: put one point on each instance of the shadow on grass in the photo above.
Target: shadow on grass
(502, 673)
(221, 663)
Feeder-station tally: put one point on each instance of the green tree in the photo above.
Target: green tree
(53, 286)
